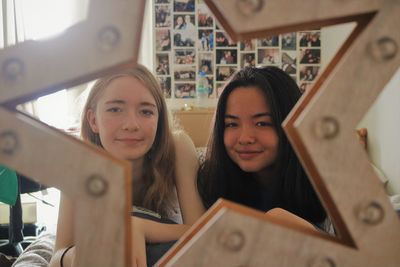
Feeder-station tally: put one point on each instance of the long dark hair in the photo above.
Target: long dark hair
(219, 176)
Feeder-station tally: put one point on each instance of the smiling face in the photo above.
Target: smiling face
(250, 137)
(125, 118)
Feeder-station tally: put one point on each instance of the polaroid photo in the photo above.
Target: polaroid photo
(185, 30)
(226, 56)
(308, 73)
(310, 56)
(205, 40)
(289, 41)
(268, 41)
(248, 45)
(184, 5)
(310, 39)
(185, 90)
(185, 56)
(204, 17)
(163, 40)
(268, 56)
(247, 60)
(224, 73)
(206, 63)
(165, 84)
(289, 62)
(185, 73)
(162, 64)
(222, 40)
(163, 16)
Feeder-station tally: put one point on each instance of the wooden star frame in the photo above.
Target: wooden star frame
(100, 185)
(322, 129)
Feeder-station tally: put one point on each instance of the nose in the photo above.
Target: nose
(131, 123)
(247, 136)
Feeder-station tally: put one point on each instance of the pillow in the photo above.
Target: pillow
(37, 254)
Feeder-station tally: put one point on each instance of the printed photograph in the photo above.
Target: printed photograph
(310, 39)
(289, 64)
(308, 73)
(187, 56)
(249, 45)
(185, 73)
(206, 40)
(206, 63)
(165, 84)
(269, 41)
(163, 40)
(185, 30)
(224, 72)
(184, 5)
(222, 40)
(163, 16)
(185, 90)
(269, 56)
(226, 56)
(289, 41)
(304, 86)
(247, 60)
(310, 56)
(162, 63)
(204, 17)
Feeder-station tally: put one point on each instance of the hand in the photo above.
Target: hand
(139, 243)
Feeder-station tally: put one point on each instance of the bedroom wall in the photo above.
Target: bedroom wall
(382, 120)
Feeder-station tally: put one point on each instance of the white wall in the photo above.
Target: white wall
(382, 120)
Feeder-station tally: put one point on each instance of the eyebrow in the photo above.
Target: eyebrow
(117, 101)
(257, 115)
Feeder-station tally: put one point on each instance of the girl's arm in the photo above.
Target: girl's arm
(187, 165)
(64, 237)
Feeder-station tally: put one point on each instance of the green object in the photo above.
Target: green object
(8, 186)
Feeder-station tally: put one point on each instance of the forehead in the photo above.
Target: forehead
(127, 88)
(246, 100)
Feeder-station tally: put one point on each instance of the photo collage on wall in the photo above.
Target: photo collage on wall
(188, 41)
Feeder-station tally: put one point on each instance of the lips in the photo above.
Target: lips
(248, 154)
(129, 141)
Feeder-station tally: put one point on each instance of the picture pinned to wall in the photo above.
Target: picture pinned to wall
(310, 39)
(165, 84)
(269, 56)
(224, 72)
(185, 56)
(247, 60)
(185, 90)
(163, 40)
(248, 45)
(162, 63)
(206, 63)
(184, 5)
(226, 56)
(188, 40)
(204, 17)
(308, 73)
(185, 73)
(206, 40)
(163, 16)
(222, 40)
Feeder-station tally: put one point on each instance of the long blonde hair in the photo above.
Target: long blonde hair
(157, 190)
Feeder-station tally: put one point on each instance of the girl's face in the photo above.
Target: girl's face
(125, 118)
(250, 137)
